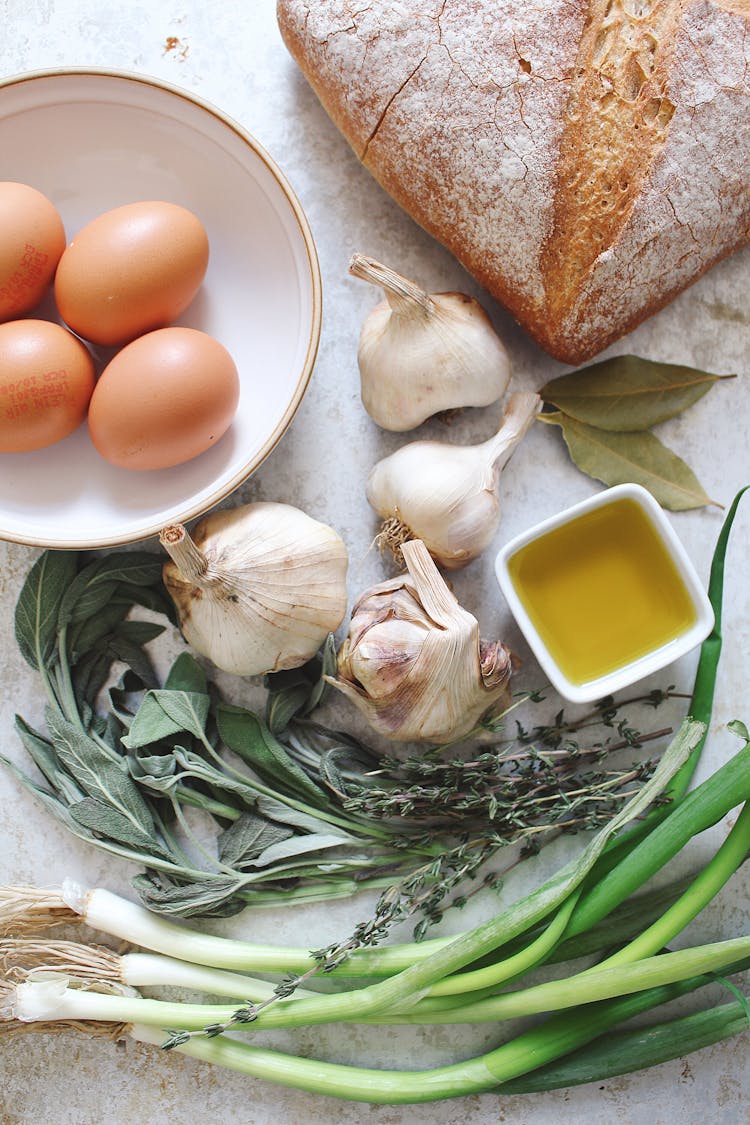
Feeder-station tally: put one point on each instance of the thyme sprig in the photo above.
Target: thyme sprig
(301, 812)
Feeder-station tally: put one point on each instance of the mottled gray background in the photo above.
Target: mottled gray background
(232, 55)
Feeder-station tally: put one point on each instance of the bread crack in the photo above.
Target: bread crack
(386, 108)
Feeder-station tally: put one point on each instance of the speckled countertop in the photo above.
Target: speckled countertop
(232, 55)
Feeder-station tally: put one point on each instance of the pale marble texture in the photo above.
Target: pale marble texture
(232, 55)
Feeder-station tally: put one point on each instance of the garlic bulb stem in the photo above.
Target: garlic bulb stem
(192, 563)
(522, 409)
(447, 495)
(404, 297)
(422, 353)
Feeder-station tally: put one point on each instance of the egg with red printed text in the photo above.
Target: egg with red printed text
(46, 383)
(131, 270)
(165, 398)
(32, 239)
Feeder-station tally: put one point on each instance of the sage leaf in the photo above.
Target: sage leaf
(139, 632)
(42, 753)
(248, 837)
(186, 674)
(90, 675)
(153, 771)
(299, 845)
(121, 647)
(164, 713)
(39, 604)
(211, 897)
(86, 635)
(279, 811)
(298, 691)
(251, 740)
(327, 668)
(639, 458)
(153, 597)
(52, 802)
(97, 774)
(344, 764)
(627, 393)
(109, 822)
(95, 585)
(284, 704)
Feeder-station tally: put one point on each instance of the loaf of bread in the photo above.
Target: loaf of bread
(585, 160)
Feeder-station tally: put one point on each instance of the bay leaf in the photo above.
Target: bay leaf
(638, 458)
(627, 393)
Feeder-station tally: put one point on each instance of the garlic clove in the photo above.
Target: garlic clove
(413, 662)
(447, 495)
(422, 353)
(257, 588)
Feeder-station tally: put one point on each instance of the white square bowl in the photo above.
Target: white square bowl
(652, 661)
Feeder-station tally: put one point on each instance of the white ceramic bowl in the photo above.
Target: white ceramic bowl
(652, 661)
(92, 140)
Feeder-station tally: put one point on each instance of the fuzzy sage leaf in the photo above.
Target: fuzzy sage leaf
(39, 606)
(165, 712)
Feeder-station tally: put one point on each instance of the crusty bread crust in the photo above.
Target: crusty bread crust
(586, 161)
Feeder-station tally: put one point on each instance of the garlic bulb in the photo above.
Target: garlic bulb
(422, 353)
(257, 588)
(413, 662)
(446, 495)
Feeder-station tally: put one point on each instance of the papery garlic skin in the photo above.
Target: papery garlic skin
(257, 588)
(413, 662)
(447, 495)
(423, 353)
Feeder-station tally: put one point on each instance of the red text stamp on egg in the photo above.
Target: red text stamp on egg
(47, 389)
(28, 273)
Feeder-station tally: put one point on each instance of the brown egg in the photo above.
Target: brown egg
(46, 381)
(131, 270)
(164, 399)
(32, 238)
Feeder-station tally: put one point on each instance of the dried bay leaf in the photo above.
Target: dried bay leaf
(628, 393)
(640, 458)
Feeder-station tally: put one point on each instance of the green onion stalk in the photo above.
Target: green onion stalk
(451, 980)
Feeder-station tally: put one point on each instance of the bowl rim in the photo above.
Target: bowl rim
(193, 511)
(625, 674)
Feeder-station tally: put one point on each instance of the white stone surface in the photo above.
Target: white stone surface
(232, 55)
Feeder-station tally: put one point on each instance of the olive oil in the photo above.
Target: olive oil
(602, 590)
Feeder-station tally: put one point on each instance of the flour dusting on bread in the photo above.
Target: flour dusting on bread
(585, 161)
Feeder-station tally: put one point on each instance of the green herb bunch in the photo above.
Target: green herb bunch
(299, 813)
